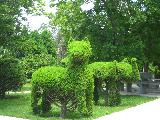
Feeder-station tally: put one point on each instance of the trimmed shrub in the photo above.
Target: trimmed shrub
(70, 87)
(12, 75)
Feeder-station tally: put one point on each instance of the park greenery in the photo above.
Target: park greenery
(86, 60)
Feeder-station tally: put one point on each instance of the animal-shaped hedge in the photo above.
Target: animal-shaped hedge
(70, 87)
(112, 74)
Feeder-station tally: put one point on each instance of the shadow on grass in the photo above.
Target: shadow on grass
(126, 100)
(12, 96)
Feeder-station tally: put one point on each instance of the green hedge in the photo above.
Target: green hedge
(12, 75)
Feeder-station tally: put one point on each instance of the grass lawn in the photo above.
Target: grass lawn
(18, 105)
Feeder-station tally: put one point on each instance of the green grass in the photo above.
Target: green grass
(18, 105)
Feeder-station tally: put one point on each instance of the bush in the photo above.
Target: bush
(70, 87)
(11, 75)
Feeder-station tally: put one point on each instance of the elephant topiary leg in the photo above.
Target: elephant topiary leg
(114, 98)
(96, 95)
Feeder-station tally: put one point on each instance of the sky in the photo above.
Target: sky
(35, 22)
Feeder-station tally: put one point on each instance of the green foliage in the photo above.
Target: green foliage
(70, 87)
(4, 52)
(32, 63)
(46, 77)
(105, 72)
(124, 71)
(12, 75)
(11, 17)
(135, 71)
(34, 42)
(35, 49)
(153, 69)
(114, 98)
(79, 50)
(65, 61)
(69, 18)
(112, 20)
(102, 70)
(119, 25)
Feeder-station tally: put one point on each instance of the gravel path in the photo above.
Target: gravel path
(146, 111)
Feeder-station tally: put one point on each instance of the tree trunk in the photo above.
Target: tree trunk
(146, 67)
(63, 110)
(2, 94)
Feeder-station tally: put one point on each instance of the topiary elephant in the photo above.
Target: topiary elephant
(112, 74)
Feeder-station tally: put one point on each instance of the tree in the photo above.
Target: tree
(12, 74)
(35, 49)
(11, 16)
(107, 25)
(147, 30)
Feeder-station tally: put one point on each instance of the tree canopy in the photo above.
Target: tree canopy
(116, 28)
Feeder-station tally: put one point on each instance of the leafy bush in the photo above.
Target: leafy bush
(70, 87)
(11, 75)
